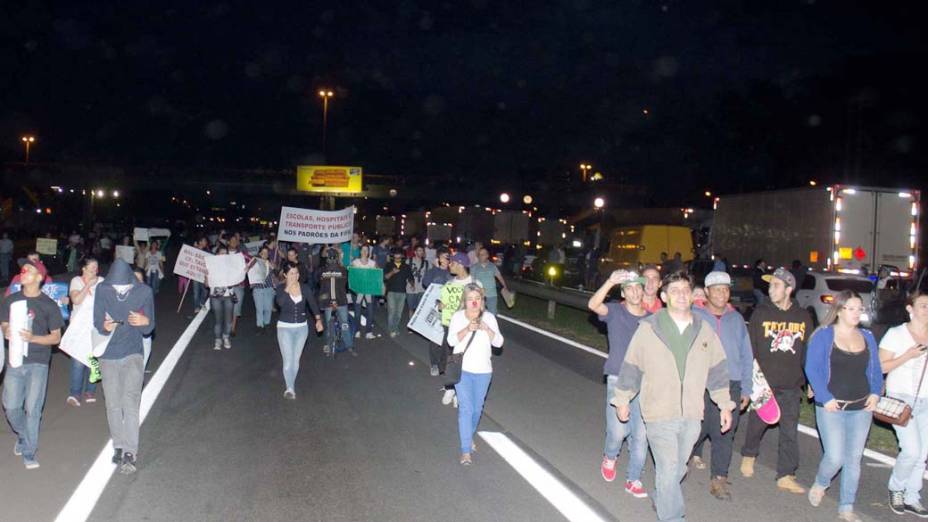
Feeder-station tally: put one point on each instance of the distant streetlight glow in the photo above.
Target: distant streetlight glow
(325, 94)
(812, 183)
(585, 169)
(504, 197)
(28, 141)
(115, 193)
(527, 199)
(100, 193)
(599, 202)
(708, 194)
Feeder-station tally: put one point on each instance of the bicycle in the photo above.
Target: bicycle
(337, 344)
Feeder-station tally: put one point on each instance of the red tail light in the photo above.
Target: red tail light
(827, 299)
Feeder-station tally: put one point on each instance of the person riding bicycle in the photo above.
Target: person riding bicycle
(333, 288)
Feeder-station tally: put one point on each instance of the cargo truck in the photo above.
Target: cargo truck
(842, 228)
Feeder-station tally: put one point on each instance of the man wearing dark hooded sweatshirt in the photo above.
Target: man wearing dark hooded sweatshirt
(124, 309)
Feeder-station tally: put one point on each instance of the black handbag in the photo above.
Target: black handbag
(455, 360)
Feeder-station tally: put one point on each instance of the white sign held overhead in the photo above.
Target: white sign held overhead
(225, 270)
(159, 232)
(191, 263)
(301, 225)
(126, 253)
(140, 234)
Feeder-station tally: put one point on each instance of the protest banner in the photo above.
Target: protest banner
(225, 270)
(191, 263)
(426, 320)
(365, 281)
(77, 338)
(57, 291)
(140, 234)
(126, 253)
(253, 247)
(159, 232)
(47, 246)
(301, 225)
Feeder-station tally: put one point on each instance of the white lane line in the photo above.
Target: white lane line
(555, 492)
(87, 493)
(875, 455)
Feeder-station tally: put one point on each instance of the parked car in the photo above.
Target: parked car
(818, 289)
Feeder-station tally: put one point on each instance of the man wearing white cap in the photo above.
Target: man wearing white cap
(729, 325)
(621, 322)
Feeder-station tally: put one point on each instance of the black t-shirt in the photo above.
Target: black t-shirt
(46, 316)
(848, 380)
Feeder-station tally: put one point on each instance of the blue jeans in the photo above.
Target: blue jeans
(844, 434)
(154, 281)
(491, 301)
(412, 301)
(222, 312)
(617, 431)
(239, 292)
(472, 392)
(199, 295)
(395, 302)
(345, 326)
(913, 450)
(23, 399)
(369, 310)
(264, 303)
(671, 444)
(146, 351)
(80, 382)
(291, 341)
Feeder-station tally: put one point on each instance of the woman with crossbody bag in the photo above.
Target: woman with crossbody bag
(903, 357)
(472, 333)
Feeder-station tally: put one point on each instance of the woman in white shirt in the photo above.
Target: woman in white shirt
(903, 358)
(154, 266)
(474, 332)
(81, 291)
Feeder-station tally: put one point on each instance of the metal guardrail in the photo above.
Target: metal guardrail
(552, 294)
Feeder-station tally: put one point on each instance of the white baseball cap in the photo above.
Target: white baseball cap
(717, 278)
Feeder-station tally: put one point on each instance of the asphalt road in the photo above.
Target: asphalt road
(367, 438)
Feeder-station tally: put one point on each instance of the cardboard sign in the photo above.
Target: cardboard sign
(77, 338)
(140, 234)
(191, 263)
(365, 281)
(300, 225)
(159, 232)
(47, 246)
(225, 270)
(126, 253)
(257, 274)
(426, 320)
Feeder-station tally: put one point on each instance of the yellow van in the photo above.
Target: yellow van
(632, 247)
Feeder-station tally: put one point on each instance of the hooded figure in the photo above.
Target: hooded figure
(119, 294)
(122, 366)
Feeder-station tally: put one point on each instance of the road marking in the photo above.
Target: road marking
(555, 492)
(812, 432)
(87, 493)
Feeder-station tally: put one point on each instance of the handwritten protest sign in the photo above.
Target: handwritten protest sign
(159, 232)
(126, 253)
(225, 270)
(300, 225)
(426, 320)
(191, 263)
(47, 246)
(257, 274)
(140, 234)
(365, 281)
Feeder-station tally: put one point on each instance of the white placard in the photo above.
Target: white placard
(253, 247)
(191, 263)
(225, 270)
(159, 232)
(426, 320)
(77, 338)
(257, 274)
(140, 234)
(301, 225)
(19, 320)
(126, 253)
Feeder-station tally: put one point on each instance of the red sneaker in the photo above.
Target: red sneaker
(607, 468)
(635, 489)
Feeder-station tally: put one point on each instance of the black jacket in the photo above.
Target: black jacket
(778, 338)
(291, 312)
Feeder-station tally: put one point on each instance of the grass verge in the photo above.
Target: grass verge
(583, 327)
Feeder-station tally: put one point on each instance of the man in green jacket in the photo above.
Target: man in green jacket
(672, 359)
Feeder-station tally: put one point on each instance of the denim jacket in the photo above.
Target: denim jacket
(818, 363)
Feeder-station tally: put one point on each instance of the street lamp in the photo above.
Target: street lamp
(325, 94)
(504, 197)
(527, 199)
(708, 194)
(28, 141)
(599, 202)
(585, 168)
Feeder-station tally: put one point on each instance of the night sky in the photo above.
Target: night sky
(679, 96)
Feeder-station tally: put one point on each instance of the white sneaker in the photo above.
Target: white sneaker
(217, 345)
(357, 335)
(392, 335)
(446, 398)
(454, 401)
(370, 335)
(226, 342)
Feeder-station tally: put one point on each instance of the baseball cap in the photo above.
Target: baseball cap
(630, 277)
(717, 278)
(460, 258)
(783, 275)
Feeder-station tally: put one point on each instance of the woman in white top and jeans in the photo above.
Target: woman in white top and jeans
(475, 330)
(903, 358)
(297, 304)
(81, 291)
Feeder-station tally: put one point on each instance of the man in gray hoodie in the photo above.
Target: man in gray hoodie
(124, 310)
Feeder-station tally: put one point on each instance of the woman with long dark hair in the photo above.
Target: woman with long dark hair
(843, 367)
(81, 291)
(296, 302)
